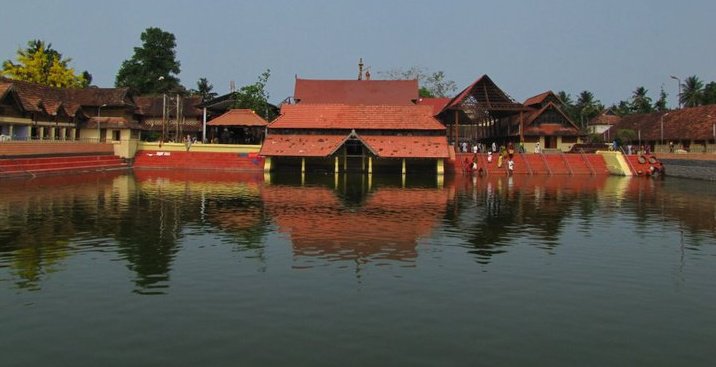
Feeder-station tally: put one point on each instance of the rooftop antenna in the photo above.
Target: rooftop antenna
(360, 69)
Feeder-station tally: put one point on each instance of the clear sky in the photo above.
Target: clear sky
(608, 47)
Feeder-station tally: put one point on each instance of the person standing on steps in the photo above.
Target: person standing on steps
(537, 149)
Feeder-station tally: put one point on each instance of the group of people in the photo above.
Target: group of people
(503, 154)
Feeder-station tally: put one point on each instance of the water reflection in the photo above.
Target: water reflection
(147, 219)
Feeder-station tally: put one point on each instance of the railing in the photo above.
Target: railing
(566, 163)
(527, 163)
(626, 157)
(546, 165)
(586, 160)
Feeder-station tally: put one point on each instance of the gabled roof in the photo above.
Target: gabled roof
(486, 93)
(694, 123)
(437, 103)
(542, 98)
(607, 117)
(238, 117)
(549, 127)
(341, 116)
(356, 92)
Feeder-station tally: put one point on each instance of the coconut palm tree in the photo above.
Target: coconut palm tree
(640, 101)
(692, 92)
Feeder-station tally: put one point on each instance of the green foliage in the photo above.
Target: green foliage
(625, 136)
(204, 89)
(692, 92)
(709, 95)
(640, 101)
(255, 97)
(587, 108)
(432, 84)
(42, 64)
(153, 68)
(660, 104)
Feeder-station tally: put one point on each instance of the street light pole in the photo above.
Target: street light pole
(678, 98)
(99, 131)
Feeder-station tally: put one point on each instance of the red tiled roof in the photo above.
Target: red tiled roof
(381, 146)
(4, 88)
(605, 118)
(437, 103)
(538, 99)
(356, 92)
(338, 116)
(695, 123)
(36, 97)
(387, 146)
(238, 117)
(301, 145)
(564, 127)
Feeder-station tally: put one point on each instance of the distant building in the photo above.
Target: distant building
(602, 122)
(546, 123)
(692, 129)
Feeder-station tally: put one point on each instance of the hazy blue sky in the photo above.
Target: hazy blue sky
(526, 47)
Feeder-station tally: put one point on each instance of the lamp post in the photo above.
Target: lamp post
(678, 98)
(99, 131)
(662, 127)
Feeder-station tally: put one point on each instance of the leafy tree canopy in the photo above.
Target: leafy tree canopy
(255, 97)
(204, 89)
(40, 63)
(433, 84)
(153, 68)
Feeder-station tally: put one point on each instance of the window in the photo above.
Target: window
(116, 135)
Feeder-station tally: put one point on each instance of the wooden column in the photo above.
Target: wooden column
(403, 171)
(267, 164)
(457, 128)
(335, 169)
(303, 164)
(522, 127)
(370, 165)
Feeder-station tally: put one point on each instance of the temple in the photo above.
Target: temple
(356, 125)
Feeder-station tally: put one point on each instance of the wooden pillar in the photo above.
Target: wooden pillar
(403, 171)
(267, 164)
(441, 167)
(457, 128)
(335, 168)
(303, 164)
(370, 165)
(10, 131)
(522, 127)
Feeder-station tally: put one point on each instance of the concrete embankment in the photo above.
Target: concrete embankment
(700, 166)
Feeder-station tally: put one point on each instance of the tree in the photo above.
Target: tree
(710, 93)
(640, 101)
(40, 63)
(587, 107)
(431, 84)
(204, 89)
(567, 105)
(255, 97)
(660, 104)
(153, 68)
(691, 92)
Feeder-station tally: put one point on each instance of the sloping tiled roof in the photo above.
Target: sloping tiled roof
(381, 146)
(540, 99)
(605, 118)
(694, 123)
(37, 97)
(437, 103)
(564, 127)
(356, 92)
(340, 116)
(151, 106)
(110, 122)
(238, 117)
(4, 88)
(387, 146)
(301, 145)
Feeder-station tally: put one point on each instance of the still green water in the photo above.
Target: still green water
(166, 269)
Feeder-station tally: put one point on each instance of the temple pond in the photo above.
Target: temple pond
(166, 268)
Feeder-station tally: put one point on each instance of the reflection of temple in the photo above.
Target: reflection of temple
(385, 226)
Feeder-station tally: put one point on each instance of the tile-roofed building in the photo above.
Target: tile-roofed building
(480, 112)
(602, 122)
(546, 123)
(437, 103)
(153, 118)
(692, 128)
(246, 127)
(366, 124)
